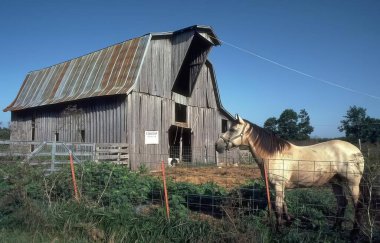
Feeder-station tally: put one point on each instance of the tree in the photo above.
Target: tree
(287, 124)
(357, 125)
(5, 133)
(354, 124)
(290, 125)
(372, 130)
(304, 127)
(271, 124)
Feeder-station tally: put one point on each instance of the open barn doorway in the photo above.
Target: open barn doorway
(180, 143)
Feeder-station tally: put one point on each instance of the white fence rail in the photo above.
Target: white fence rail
(57, 153)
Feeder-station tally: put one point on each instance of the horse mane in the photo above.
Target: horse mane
(266, 142)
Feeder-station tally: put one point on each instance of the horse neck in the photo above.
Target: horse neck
(259, 157)
(262, 153)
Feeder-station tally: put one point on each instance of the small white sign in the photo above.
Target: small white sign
(151, 137)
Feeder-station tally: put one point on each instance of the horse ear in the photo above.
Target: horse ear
(239, 119)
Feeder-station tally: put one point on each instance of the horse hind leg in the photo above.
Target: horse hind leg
(279, 202)
(286, 214)
(341, 202)
(354, 187)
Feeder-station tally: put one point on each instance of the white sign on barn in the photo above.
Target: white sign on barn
(151, 137)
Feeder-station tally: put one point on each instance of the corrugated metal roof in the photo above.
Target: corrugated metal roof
(112, 70)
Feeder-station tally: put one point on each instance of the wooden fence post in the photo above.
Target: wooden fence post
(53, 151)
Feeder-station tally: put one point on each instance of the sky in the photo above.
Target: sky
(321, 56)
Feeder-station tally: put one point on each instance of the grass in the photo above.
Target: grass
(118, 205)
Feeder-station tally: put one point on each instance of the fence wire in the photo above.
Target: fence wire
(227, 189)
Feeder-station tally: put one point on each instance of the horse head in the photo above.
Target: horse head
(234, 137)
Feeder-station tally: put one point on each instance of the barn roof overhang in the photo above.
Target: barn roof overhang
(206, 31)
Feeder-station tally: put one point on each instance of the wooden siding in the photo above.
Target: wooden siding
(155, 76)
(204, 91)
(101, 119)
(147, 112)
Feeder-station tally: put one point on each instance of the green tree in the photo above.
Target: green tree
(358, 125)
(304, 127)
(372, 130)
(287, 124)
(5, 133)
(271, 124)
(290, 125)
(354, 124)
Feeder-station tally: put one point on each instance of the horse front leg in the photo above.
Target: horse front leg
(280, 195)
(359, 205)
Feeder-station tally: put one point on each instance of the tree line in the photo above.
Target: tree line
(296, 126)
(291, 125)
(5, 132)
(358, 125)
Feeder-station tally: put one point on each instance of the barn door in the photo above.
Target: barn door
(180, 143)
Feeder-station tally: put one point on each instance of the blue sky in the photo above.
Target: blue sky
(337, 41)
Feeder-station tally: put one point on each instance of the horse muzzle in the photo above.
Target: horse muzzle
(221, 145)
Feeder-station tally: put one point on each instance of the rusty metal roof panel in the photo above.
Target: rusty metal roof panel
(109, 71)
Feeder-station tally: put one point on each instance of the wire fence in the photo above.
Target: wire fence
(227, 189)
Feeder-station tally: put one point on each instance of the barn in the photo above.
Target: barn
(156, 93)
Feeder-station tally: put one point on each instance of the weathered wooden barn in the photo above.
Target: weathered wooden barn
(157, 93)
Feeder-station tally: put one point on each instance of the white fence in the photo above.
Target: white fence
(57, 153)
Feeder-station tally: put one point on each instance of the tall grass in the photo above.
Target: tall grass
(118, 205)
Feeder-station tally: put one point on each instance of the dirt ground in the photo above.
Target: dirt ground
(225, 176)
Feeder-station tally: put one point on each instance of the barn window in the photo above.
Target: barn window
(180, 113)
(33, 128)
(33, 132)
(56, 136)
(82, 136)
(224, 125)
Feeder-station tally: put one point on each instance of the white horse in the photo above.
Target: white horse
(337, 162)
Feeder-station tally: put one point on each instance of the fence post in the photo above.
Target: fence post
(76, 195)
(165, 190)
(53, 151)
(94, 152)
